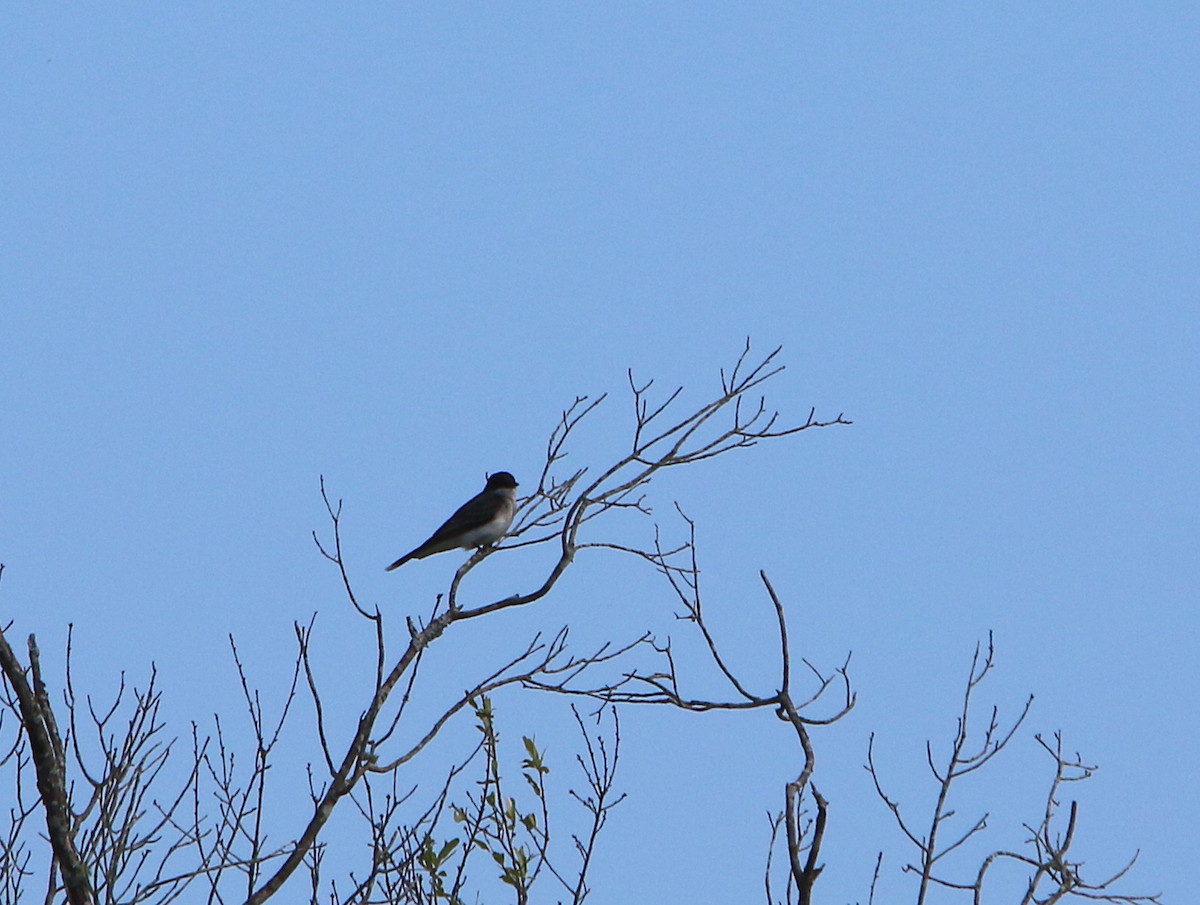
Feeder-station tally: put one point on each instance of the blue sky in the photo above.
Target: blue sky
(245, 248)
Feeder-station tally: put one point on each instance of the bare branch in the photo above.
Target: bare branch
(47, 756)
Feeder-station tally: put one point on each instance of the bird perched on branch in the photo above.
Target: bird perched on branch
(479, 522)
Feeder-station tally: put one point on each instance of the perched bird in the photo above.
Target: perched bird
(479, 522)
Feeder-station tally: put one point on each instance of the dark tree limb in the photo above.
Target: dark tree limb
(49, 764)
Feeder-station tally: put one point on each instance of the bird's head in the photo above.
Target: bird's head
(501, 480)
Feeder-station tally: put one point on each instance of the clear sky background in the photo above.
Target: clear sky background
(245, 247)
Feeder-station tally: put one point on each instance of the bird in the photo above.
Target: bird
(479, 522)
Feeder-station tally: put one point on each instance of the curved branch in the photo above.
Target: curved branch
(50, 767)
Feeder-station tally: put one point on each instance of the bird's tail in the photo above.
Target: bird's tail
(401, 561)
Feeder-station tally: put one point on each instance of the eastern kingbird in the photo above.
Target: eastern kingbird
(479, 522)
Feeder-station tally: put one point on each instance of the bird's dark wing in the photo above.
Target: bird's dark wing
(474, 513)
